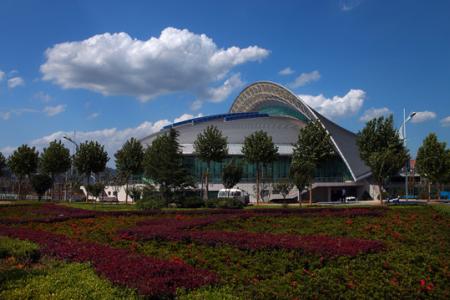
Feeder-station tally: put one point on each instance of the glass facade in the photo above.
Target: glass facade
(333, 170)
(279, 110)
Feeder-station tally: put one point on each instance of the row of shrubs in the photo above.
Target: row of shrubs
(157, 202)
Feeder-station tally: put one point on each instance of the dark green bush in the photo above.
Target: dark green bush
(224, 203)
(21, 250)
(151, 202)
(191, 202)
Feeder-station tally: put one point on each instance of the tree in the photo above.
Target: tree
(23, 162)
(232, 174)
(259, 149)
(2, 164)
(163, 163)
(41, 183)
(129, 161)
(312, 147)
(210, 145)
(432, 161)
(95, 189)
(283, 187)
(302, 173)
(381, 148)
(55, 160)
(90, 157)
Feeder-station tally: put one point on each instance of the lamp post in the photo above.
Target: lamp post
(71, 166)
(402, 132)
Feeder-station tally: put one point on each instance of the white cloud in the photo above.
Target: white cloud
(220, 93)
(286, 71)
(348, 5)
(2, 75)
(337, 106)
(305, 78)
(6, 151)
(15, 82)
(5, 115)
(111, 138)
(185, 117)
(54, 110)
(93, 116)
(445, 122)
(422, 116)
(42, 96)
(117, 64)
(197, 104)
(373, 113)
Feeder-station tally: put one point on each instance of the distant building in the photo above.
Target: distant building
(273, 108)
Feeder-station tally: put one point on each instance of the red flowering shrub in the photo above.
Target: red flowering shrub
(179, 230)
(150, 276)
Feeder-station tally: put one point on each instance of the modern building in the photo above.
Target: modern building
(274, 109)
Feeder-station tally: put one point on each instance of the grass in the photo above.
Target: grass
(414, 265)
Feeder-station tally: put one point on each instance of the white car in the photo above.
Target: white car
(239, 194)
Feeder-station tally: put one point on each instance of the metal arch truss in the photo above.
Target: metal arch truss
(258, 93)
(261, 92)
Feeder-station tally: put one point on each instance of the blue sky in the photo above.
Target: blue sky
(110, 70)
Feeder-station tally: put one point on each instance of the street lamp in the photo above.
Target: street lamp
(402, 132)
(71, 167)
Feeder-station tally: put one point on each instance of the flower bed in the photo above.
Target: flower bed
(180, 229)
(150, 276)
(53, 213)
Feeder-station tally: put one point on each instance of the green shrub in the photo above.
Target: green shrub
(57, 280)
(152, 202)
(22, 250)
(224, 203)
(191, 202)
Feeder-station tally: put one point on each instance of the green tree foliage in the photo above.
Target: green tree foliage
(163, 163)
(41, 183)
(283, 187)
(55, 159)
(260, 150)
(2, 164)
(382, 149)
(433, 161)
(129, 160)
(95, 189)
(210, 145)
(232, 174)
(23, 162)
(313, 146)
(302, 174)
(90, 157)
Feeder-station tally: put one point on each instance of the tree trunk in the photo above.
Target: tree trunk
(380, 191)
(53, 187)
(257, 184)
(205, 195)
(429, 191)
(439, 191)
(126, 192)
(87, 192)
(299, 197)
(310, 194)
(20, 189)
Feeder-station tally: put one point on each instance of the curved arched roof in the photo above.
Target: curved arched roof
(261, 94)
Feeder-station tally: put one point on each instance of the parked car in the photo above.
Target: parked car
(239, 194)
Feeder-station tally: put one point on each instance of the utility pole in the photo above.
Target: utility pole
(402, 132)
(71, 166)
